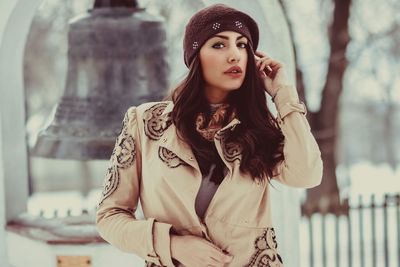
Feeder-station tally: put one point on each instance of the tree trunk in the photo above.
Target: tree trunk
(324, 123)
(326, 120)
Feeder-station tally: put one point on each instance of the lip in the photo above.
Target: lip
(238, 74)
(234, 75)
(237, 68)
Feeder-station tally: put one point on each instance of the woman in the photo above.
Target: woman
(201, 162)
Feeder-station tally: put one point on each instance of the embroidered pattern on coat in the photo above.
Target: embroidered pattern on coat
(122, 157)
(111, 182)
(170, 158)
(220, 136)
(266, 254)
(150, 264)
(232, 151)
(154, 123)
(124, 151)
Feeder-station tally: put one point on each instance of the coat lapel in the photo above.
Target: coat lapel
(229, 152)
(172, 143)
(173, 147)
(176, 151)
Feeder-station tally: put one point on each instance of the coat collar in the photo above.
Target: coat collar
(232, 124)
(180, 148)
(168, 109)
(170, 106)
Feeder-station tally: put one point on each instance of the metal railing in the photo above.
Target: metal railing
(360, 232)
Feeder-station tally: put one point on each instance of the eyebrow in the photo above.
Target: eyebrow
(226, 37)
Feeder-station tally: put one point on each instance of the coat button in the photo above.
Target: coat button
(190, 158)
(165, 140)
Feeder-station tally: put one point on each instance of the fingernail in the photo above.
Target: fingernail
(229, 259)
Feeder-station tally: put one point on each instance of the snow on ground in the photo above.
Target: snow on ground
(364, 180)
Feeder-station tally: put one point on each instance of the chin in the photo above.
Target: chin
(233, 87)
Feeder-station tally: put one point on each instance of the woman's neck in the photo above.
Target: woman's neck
(214, 106)
(215, 96)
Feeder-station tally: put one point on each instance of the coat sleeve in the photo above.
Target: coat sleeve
(115, 215)
(302, 165)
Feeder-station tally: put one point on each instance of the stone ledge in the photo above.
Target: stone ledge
(69, 230)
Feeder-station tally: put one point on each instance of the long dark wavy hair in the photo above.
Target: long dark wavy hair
(258, 134)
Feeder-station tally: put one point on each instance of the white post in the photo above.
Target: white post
(6, 8)
(12, 108)
(15, 19)
(3, 251)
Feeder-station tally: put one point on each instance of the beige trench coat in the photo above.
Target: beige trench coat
(151, 163)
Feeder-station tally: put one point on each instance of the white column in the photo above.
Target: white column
(15, 20)
(5, 12)
(15, 28)
(3, 251)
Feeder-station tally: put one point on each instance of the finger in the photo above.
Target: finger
(273, 64)
(265, 66)
(263, 74)
(276, 64)
(258, 60)
(261, 71)
(260, 57)
(267, 70)
(262, 66)
(213, 262)
(262, 54)
(211, 245)
(268, 60)
(220, 256)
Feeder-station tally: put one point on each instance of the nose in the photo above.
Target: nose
(234, 54)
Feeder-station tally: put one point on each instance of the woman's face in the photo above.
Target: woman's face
(221, 52)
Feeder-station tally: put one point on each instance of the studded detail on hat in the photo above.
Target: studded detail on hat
(238, 24)
(216, 25)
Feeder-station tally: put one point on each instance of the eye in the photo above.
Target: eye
(217, 45)
(220, 45)
(242, 45)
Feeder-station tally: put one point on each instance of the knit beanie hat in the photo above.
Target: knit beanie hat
(212, 20)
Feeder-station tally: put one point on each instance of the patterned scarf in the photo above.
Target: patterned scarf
(220, 113)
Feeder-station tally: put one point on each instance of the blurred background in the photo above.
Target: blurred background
(347, 69)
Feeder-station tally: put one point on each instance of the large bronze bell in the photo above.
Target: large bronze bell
(116, 59)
